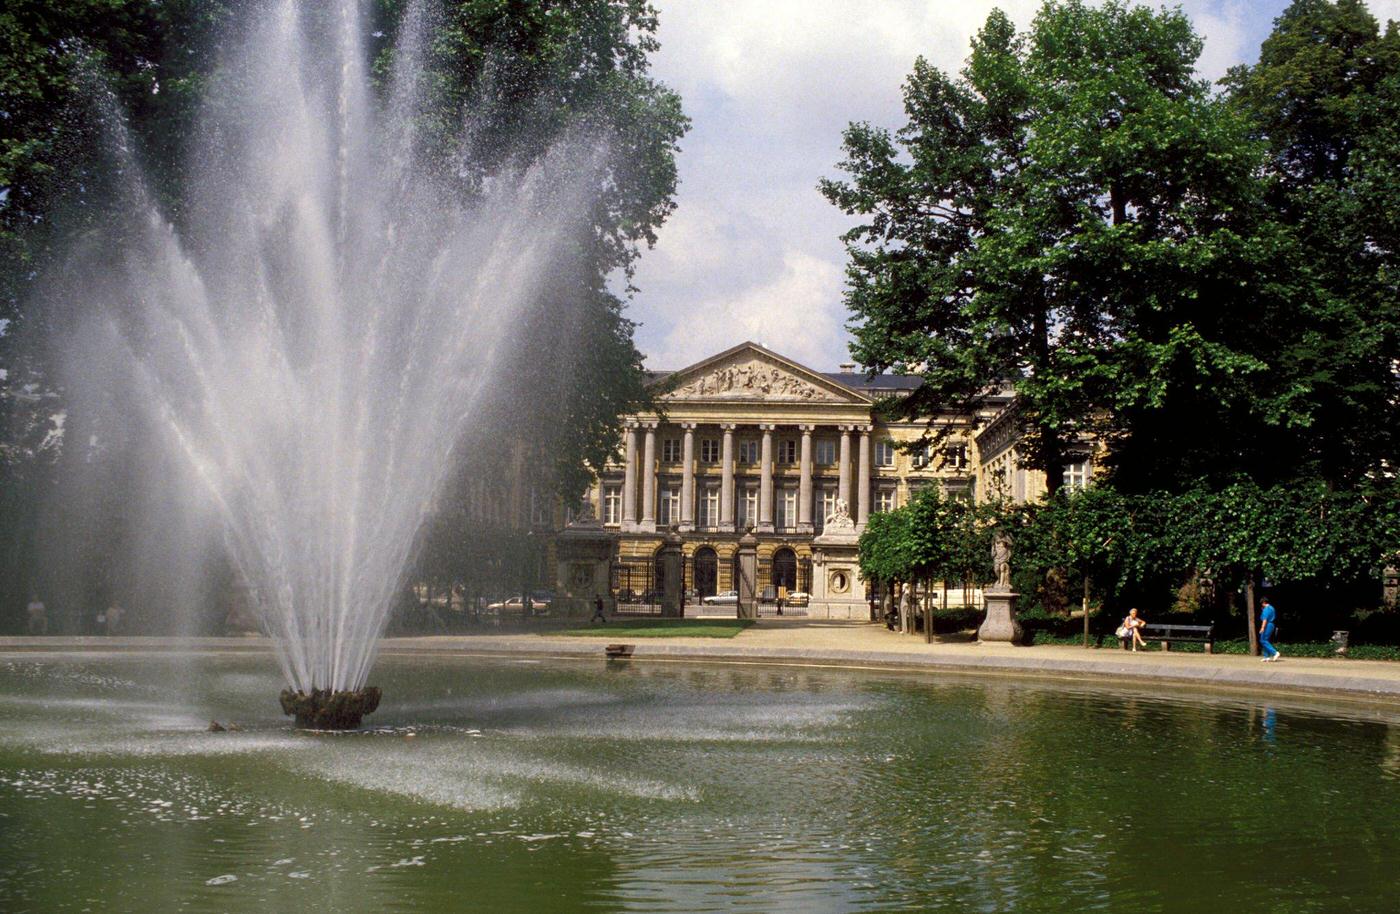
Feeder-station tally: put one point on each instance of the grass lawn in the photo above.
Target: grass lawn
(664, 628)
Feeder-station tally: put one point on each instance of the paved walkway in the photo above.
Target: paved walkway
(859, 644)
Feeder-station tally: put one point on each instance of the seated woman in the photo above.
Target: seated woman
(1131, 630)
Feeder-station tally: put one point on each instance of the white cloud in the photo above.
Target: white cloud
(789, 314)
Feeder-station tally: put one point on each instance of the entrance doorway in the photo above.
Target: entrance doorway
(706, 571)
(785, 569)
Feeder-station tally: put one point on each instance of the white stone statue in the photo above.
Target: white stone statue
(1001, 560)
(840, 517)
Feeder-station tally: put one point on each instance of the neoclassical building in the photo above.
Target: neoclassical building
(749, 439)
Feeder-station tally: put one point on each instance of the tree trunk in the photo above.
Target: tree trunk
(1119, 203)
(1052, 448)
(928, 612)
(1249, 615)
(1086, 610)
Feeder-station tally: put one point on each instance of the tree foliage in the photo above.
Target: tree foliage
(1204, 282)
(1324, 98)
(1075, 215)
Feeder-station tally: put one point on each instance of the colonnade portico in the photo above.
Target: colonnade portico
(642, 472)
(748, 439)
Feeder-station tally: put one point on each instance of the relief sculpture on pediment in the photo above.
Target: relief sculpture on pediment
(752, 380)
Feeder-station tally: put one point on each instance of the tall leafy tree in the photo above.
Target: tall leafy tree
(1324, 97)
(1078, 216)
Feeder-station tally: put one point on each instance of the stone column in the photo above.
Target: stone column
(649, 477)
(765, 482)
(863, 480)
(688, 477)
(629, 478)
(804, 485)
(726, 486)
(843, 467)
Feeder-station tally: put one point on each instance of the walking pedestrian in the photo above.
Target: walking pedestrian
(1267, 627)
(598, 610)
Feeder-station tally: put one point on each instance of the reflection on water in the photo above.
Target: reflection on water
(561, 786)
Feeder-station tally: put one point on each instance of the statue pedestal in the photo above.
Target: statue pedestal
(1000, 624)
(838, 590)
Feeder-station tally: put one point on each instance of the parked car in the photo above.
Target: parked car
(517, 604)
(798, 598)
(725, 598)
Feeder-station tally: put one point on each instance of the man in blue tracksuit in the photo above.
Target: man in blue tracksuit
(1266, 630)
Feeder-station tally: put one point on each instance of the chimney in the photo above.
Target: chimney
(848, 367)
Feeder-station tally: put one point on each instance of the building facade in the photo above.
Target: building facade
(749, 439)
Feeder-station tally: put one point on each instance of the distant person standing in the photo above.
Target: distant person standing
(598, 610)
(1267, 627)
(114, 618)
(38, 616)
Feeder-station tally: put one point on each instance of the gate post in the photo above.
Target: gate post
(747, 585)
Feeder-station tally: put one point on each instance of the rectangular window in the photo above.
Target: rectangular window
(669, 510)
(955, 457)
(826, 506)
(748, 451)
(787, 509)
(787, 451)
(671, 450)
(884, 500)
(825, 452)
(884, 453)
(1077, 475)
(709, 508)
(709, 450)
(748, 507)
(612, 504)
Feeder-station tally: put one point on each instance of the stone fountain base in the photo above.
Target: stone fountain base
(327, 710)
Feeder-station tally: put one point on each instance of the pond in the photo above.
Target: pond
(557, 785)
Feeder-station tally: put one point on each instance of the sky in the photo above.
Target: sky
(753, 251)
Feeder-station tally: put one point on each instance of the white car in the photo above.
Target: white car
(725, 598)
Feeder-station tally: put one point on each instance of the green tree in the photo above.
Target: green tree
(1076, 216)
(1324, 97)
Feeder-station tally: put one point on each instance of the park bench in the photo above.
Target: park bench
(1168, 632)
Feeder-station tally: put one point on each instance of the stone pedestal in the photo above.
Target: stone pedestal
(673, 583)
(1000, 624)
(747, 585)
(838, 590)
(1391, 586)
(584, 555)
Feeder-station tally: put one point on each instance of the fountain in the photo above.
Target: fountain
(314, 338)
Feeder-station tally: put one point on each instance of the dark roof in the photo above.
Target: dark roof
(880, 384)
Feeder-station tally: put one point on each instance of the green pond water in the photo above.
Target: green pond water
(572, 785)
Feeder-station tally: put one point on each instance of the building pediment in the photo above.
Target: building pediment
(750, 372)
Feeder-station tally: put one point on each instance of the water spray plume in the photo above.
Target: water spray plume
(315, 339)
